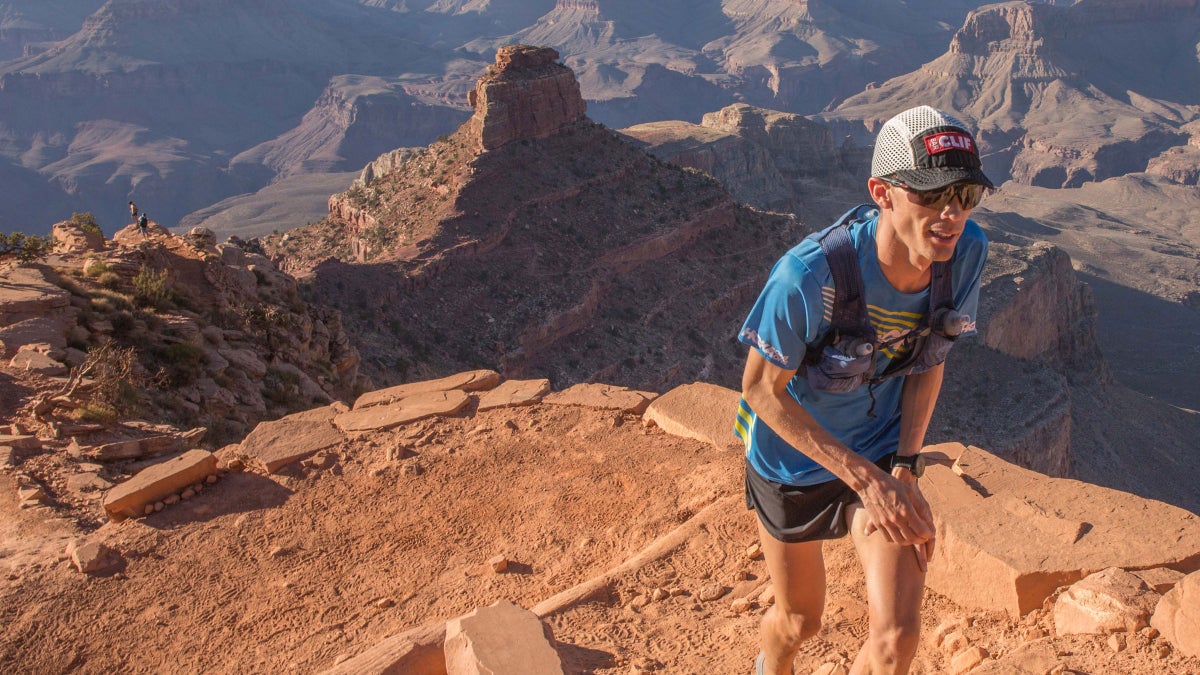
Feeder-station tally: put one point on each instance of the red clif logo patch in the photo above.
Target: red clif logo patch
(947, 141)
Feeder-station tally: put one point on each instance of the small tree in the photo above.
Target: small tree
(86, 222)
(25, 247)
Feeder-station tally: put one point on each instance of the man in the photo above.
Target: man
(826, 455)
(143, 222)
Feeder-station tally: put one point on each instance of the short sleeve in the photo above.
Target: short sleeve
(969, 275)
(786, 315)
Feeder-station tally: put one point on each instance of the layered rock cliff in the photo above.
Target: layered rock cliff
(768, 159)
(354, 119)
(568, 245)
(526, 95)
(1061, 94)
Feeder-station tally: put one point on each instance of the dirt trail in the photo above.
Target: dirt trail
(289, 573)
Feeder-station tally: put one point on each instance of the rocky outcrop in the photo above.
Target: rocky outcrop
(1180, 164)
(527, 94)
(1043, 84)
(218, 336)
(767, 159)
(1037, 325)
(1037, 309)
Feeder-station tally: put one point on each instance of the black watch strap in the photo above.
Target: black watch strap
(914, 463)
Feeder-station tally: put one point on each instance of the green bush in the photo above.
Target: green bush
(86, 222)
(109, 280)
(97, 413)
(122, 322)
(26, 247)
(97, 269)
(152, 288)
(182, 363)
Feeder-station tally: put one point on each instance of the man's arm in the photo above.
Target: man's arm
(917, 400)
(889, 502)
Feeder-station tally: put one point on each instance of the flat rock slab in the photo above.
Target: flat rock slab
(699, 410)
(274, 445)
(1177, 616)
(26, 291)
(502, 638)
(156, 482)
(512, 393)
(1008, 537)
(134, 448)
(604, 397)
(472, 380)
(408, 409)
(22, 442)
(49, 329)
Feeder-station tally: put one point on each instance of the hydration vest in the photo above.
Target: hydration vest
(844, 359)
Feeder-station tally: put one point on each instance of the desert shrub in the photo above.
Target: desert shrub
(282, 388)
(116, 381)
(122, 322)
(109, 280)
(182, 363)
(105, 302)
(26, 247)
(95, 269)
(86, 222)
(97, 413)
(152, 288)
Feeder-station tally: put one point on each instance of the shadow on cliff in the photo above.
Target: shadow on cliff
(1129, 321)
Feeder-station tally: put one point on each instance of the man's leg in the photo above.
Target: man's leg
(895, 584)
(798, 577)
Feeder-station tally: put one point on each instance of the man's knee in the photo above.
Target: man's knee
(896, 644)
(799, 626)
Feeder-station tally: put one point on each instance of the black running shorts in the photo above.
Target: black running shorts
(794, 514)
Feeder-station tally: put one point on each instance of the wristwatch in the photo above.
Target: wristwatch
(914, 463)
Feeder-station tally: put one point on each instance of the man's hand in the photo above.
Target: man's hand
(896, 507)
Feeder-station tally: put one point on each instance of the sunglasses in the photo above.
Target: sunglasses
(969, 194)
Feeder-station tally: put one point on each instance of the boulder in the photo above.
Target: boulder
(69, 237)
(502, 638)
(93, 557)
(202, 237)
(1177, 616)
(699, 410)
(1009, 537)
(472, 380)
(1105, 602)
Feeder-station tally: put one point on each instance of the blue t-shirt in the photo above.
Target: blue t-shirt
(795, 309)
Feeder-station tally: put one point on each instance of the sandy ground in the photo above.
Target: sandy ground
(289, 573)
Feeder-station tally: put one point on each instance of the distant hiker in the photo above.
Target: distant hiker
(133, 211)
(143, 225)
(849, 339)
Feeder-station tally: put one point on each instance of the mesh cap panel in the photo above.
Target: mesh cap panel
(931, 147)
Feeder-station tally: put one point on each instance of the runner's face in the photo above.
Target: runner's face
(929, 233)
